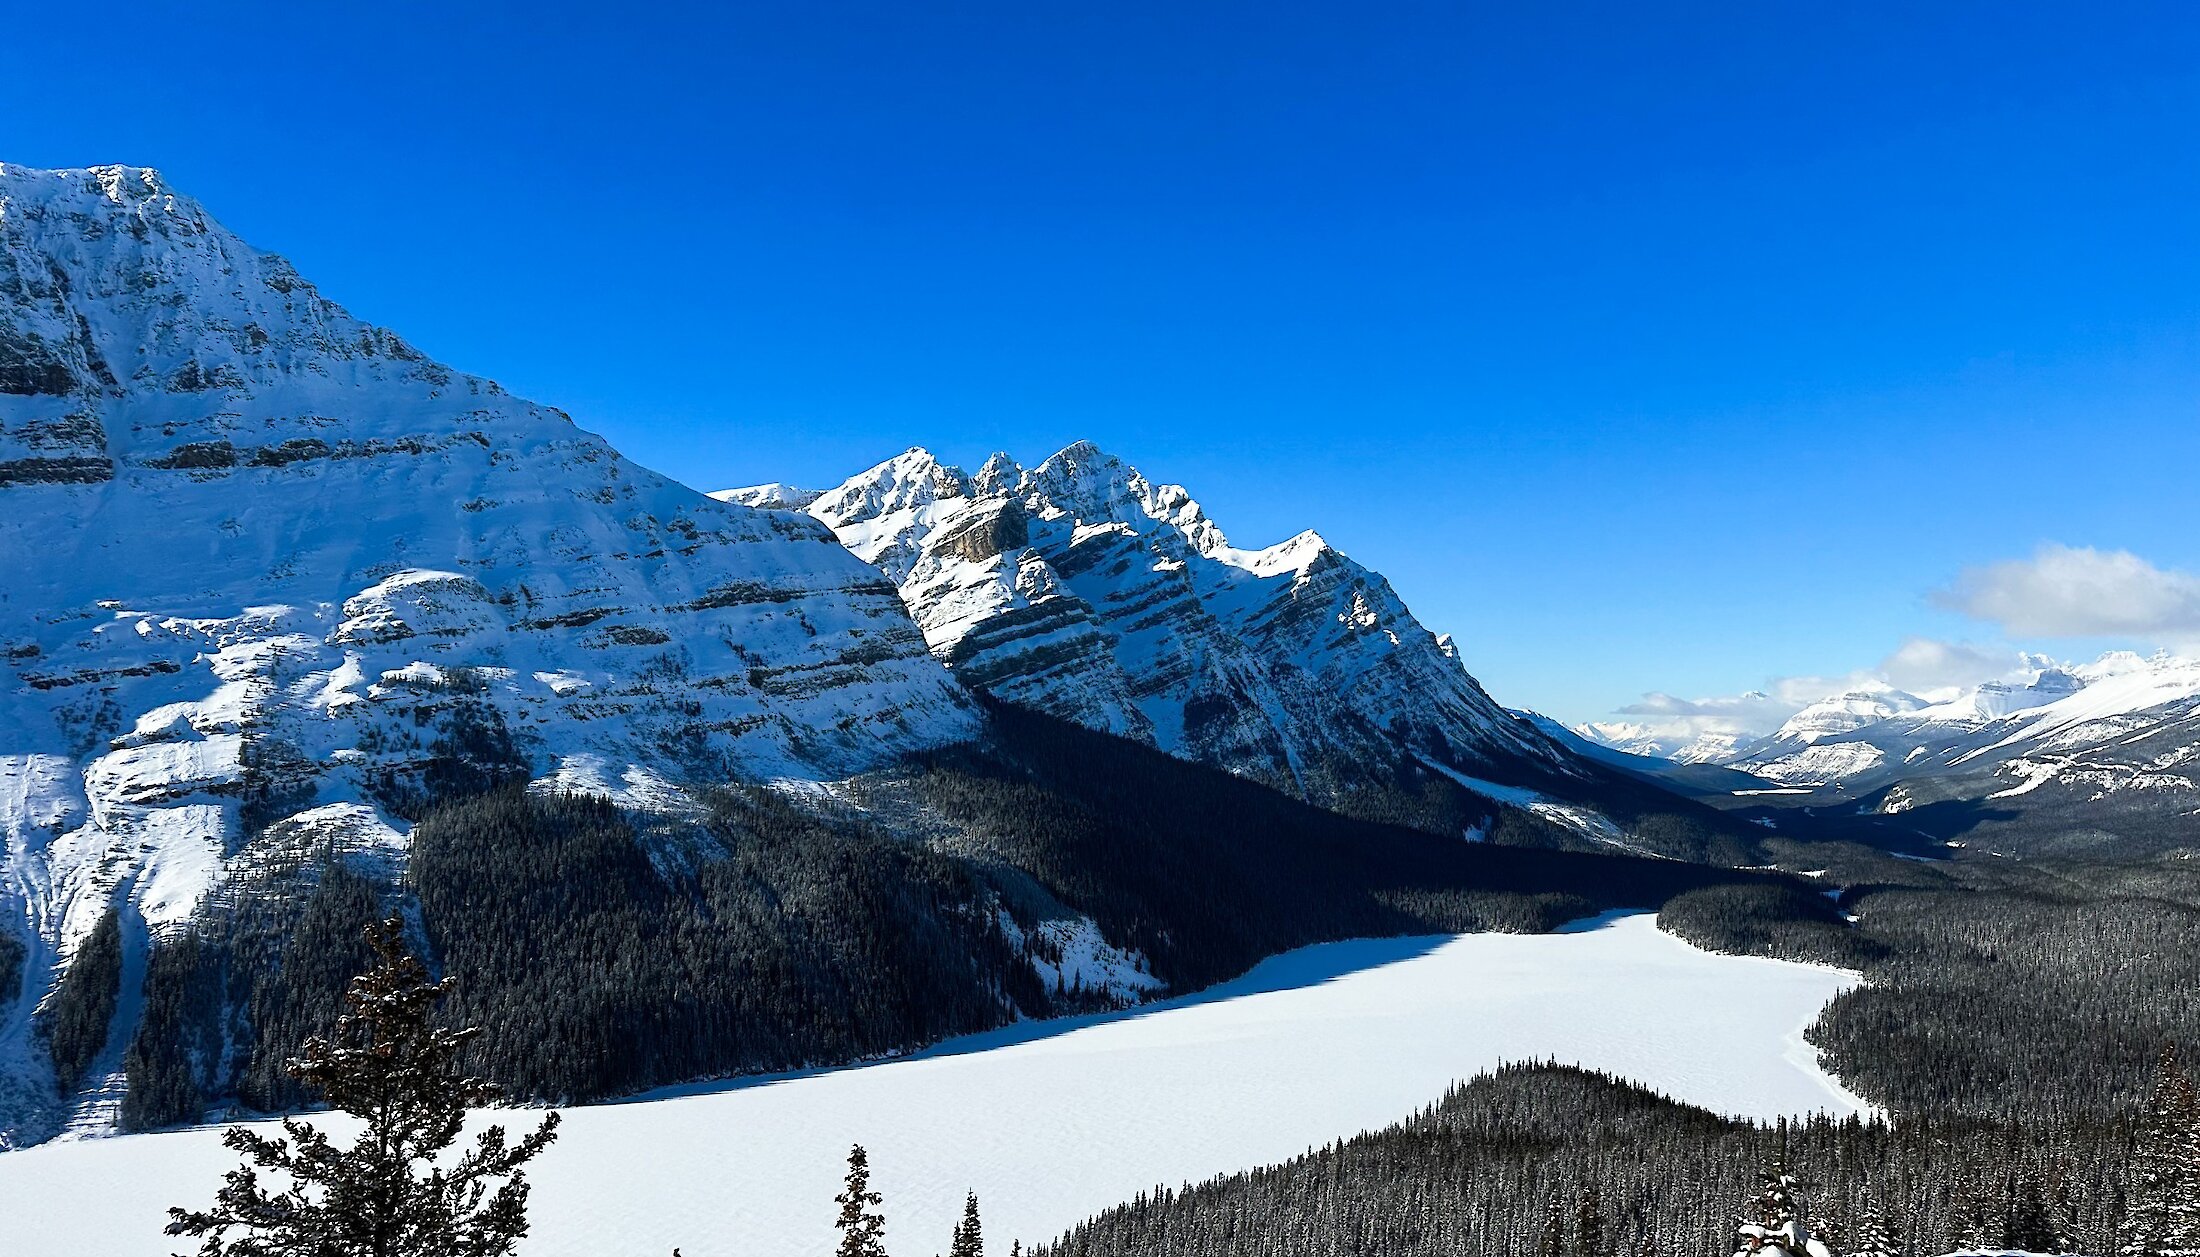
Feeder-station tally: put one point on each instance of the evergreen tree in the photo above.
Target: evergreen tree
(1873, 1238)
(1973, 1229)
(2031, 1226)
(1589, 1222)
(1778, 1221)
(969, 1237)
(1554, 1229)
(2162, 1218)
(389, 1194)
(862, 1228)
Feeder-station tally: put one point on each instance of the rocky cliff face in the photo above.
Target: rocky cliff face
(1082, 588)
(265, 560)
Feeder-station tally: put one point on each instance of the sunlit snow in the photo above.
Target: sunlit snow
(1049, 1122)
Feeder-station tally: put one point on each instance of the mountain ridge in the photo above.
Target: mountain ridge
(1083, 588)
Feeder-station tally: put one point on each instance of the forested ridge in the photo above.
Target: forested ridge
(605, 953)
(1558, 1161)
(1994, 987)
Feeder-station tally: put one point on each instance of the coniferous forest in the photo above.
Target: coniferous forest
(608, 954)
(1556, 1161)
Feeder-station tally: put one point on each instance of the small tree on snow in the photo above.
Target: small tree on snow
(389, 1194)
(969, 1236)
(862, 1228)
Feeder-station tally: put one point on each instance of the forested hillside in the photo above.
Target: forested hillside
(1555, 1161)
(605, 952)
(1994, 987)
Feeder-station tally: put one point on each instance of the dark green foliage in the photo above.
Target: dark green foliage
(277, 780)
(474, 754)
(1993, 987)
(1790, 921)
(13, 956)
(392, 1193)
(1555, 1159)
(2162, 1217)
(260, 971)
(969, 1240)
(471, 752)
(77, 1019)
(178, 1044)
(2098, 966)
(1206, 874)
(789, 942)
(862, 1229)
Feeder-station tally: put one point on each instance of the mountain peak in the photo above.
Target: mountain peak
(1083, 588)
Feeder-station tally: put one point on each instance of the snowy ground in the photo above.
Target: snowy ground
(1050, 1122)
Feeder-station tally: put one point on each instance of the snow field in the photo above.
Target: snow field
(1050, 1122)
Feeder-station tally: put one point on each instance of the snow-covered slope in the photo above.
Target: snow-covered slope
(1685, 777)
(1049, 1123)
(2094, 752)
(1792, 755)
(261, 556)
(1082, 588)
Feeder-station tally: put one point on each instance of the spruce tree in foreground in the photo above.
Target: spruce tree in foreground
(2163, 1217)
(389, 1194)
(1874, 1238)
(862, 1229)
(1778, 1222)
(969, 1236)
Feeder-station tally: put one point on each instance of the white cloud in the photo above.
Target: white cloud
(1935, 669)
(1675, 722)
(2059, 592)
(2078, 591)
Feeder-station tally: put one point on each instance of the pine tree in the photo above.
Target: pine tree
(1778, 1221)
(2031, 1227)
(1589, 1222)
(1874, 1238)
(969, 1237)
(2163, 1215)
(1554, 1228)
(389, 1194)
(861, 1227)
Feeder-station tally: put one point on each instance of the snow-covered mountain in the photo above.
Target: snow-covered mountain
(1809, 748)
(1082, 588)
(2118, 739)
(264, 560)
(1609, 744)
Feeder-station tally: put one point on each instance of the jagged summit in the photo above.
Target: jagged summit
(263, 556)
(1081, 587)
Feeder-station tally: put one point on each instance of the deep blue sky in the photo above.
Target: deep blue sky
(1669, 351)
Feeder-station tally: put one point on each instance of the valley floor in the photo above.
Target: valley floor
(1051, 1122)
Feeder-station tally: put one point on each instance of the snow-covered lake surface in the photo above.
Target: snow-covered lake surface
(1050, 1122)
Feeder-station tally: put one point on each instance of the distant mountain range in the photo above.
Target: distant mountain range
(2117, 739)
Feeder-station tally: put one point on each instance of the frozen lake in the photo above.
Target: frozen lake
(1050, 1122)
